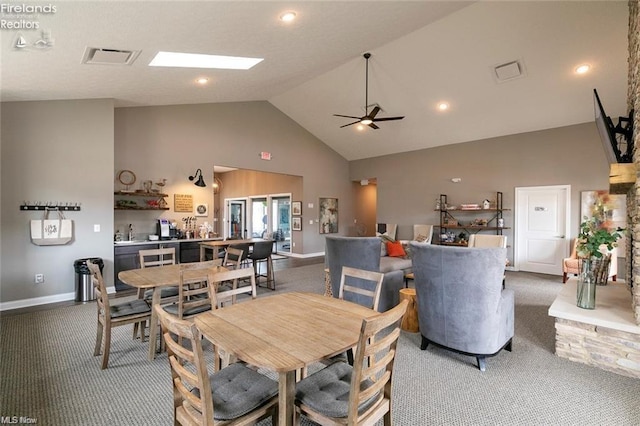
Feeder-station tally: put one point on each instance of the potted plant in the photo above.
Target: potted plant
(595, 261)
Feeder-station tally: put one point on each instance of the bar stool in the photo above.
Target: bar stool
(262, 254)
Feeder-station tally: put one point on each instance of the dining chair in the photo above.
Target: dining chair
(233, 258)
(225, 285)
(360, 394)
(154, 258)
(113, 315)
(246, 249)
(224, 288)
(358, 282)
(361, 287)
(236, 395)
(262, 254)
(194, 297)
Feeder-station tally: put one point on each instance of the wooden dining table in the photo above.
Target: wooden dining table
(216, 245)
(155, 278)
(285, 333)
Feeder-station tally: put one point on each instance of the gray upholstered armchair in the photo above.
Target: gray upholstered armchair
(362, 253)
(461, 303)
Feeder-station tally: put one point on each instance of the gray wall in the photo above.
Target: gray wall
(173, 141)
(58, 151)
(409, 183)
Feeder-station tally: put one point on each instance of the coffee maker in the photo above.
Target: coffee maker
(163, 229)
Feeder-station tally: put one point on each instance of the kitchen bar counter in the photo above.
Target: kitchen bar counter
(126, 255)
(183, 240)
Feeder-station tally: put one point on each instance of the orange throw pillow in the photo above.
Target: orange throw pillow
(394, 249)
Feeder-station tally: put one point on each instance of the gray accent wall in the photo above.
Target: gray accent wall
(409, 183)
(59, 151)
(173, 141)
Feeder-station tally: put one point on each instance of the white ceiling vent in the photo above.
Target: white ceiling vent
(508, 71)
(97, 56)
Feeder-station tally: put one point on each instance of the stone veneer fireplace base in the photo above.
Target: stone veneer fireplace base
(606, 337)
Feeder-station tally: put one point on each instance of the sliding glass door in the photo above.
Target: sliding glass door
(280, 222)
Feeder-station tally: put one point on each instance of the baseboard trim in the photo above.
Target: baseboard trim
(44, 300)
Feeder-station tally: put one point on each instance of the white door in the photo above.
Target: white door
(542, 228)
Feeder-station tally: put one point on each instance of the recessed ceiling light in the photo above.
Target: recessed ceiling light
(360, 127)
(582, 69)
(288, 16)
(195, 60)
(202, 80)
(443, 106)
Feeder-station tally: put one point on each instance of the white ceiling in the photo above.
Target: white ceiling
(422, 52)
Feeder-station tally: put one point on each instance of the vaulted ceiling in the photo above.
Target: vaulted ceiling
(423, 53)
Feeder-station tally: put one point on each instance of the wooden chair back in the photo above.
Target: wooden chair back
(372, 372)
(194, 292)
(157, 257)
(102, 298)
(233, 258)
(230, 278)
(371, 276)
(188, 370)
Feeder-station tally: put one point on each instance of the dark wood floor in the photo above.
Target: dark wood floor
(280, 263)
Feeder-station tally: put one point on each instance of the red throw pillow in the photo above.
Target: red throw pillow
(394, 249)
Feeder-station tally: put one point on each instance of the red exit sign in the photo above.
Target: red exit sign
(265, 155)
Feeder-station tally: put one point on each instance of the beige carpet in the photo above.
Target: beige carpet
(47, 372)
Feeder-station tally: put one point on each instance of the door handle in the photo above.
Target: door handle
(559, 236)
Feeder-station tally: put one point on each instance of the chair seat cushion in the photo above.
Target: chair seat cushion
(327, 391)
(237, 390)
(173, 309)
(165, 292)
(133, 307)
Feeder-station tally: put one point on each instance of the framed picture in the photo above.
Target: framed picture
(296, 208)
(202, 209)
(296, 224)
(328, 215)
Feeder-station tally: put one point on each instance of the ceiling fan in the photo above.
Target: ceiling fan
(369, 119)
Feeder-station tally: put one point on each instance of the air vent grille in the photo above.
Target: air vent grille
(508, 71)
(99, 56)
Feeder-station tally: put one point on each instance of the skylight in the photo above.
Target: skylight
(195, 60)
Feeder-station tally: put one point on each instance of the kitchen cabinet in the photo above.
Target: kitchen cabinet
(470, 218)
(139, 201)
(126, 257)
(189, 251)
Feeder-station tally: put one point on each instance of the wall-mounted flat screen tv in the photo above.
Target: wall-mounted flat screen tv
(607, 131)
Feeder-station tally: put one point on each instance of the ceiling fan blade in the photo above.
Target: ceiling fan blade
(373, 126)
(355, 122)
(388, 118)
(374, 111)
(347, 116)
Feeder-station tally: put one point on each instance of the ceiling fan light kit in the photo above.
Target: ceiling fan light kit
(369, 118)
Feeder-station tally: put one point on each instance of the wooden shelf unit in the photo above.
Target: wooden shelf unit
(140, 195)
(447, 215)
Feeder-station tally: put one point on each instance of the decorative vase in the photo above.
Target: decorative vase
(586, 288)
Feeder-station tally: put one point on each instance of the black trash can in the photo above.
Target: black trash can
(84, 286)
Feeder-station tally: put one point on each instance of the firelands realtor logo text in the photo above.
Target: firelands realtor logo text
(17, 420)
(23, 16)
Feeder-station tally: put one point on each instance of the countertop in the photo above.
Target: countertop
(145, 242)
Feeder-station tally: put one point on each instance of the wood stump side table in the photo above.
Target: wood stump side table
(410, 319)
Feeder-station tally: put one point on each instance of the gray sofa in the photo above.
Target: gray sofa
(364, 253)
(461, 303)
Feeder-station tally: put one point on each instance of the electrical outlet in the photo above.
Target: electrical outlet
(39, 278)
(96, 227)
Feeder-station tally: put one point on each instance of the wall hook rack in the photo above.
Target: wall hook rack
(52, 206)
